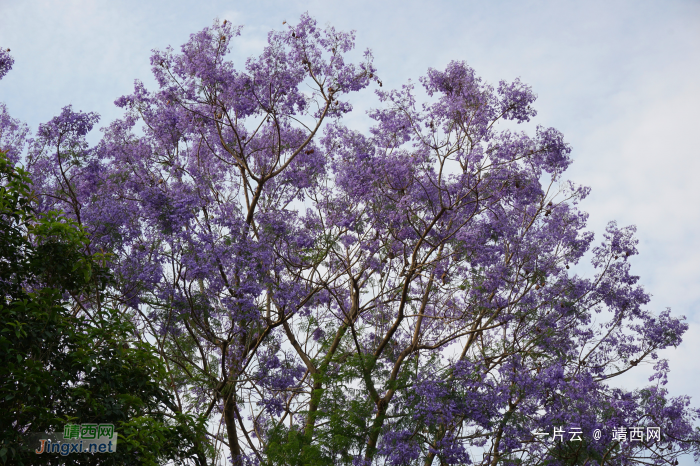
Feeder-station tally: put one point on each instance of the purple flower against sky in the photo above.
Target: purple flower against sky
(396, 296)
(6, 62)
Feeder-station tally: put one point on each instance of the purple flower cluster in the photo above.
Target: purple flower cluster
(401, 296)
(6, 62)
(13, 135)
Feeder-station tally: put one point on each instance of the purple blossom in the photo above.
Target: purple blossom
(388, 297)
(6, 62)
(13, 135)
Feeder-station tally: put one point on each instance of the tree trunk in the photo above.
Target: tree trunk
(229, 395)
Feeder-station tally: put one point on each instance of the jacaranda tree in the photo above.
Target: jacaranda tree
(327, 296)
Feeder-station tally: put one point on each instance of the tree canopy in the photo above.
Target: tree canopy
(60, 365)
(322, 295)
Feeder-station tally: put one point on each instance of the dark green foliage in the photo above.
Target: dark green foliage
(77, 364)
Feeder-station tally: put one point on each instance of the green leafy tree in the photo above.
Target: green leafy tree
(64, 358)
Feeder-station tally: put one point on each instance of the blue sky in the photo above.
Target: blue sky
(618, 78)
